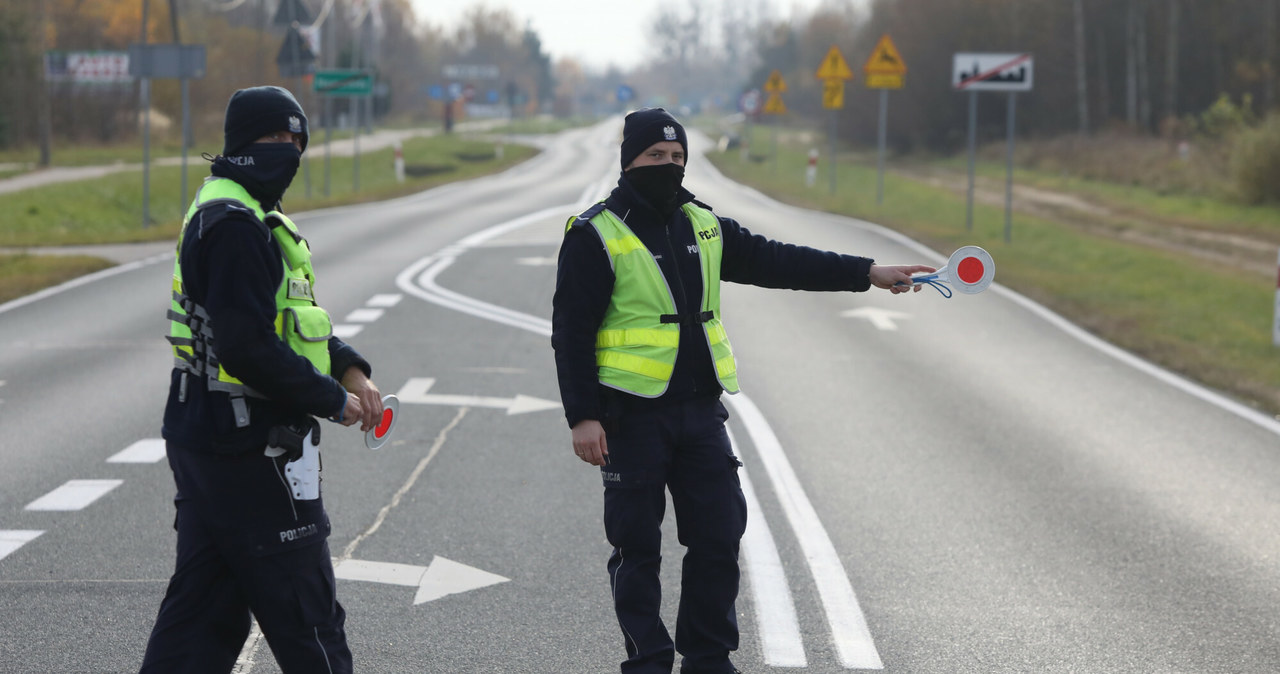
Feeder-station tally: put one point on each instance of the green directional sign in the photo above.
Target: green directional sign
(343, 82)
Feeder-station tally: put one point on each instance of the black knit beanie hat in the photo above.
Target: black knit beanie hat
(257, 111)
(647, 126)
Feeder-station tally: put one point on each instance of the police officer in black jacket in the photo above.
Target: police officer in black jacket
(642, 359)
(255, 363)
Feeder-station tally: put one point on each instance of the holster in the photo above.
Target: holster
(289, 437)
(300, 443)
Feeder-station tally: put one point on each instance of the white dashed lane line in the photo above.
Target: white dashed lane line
(11, 540)
(74, 495)
(79, 494)
(372, 311)
(150, 450)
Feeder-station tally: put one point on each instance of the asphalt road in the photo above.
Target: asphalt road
(936, 485)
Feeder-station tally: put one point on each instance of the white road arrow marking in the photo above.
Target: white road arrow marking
(415, 391)
(441, 578)
(883, 319)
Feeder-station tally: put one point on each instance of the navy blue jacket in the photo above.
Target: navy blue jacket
(584, 285)
(231, 265)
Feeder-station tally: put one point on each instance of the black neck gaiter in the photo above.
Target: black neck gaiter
(658, 184)
(264, 169)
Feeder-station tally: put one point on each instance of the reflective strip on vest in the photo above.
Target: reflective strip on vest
(300, 323)
(635, 350)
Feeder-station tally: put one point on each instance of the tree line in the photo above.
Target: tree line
(243, 41)
(1160, 67)
(1146, 66)
(1149, 66)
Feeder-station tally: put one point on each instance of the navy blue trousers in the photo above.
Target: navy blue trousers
(245, 545)
(683, 448)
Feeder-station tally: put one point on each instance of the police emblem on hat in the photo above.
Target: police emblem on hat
(669, 132)
(295, 124)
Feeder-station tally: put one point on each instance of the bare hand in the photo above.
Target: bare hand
(897, 278)
(589, 443)
(367, 399)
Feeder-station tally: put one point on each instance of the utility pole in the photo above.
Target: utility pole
(144, 87)
(45, 113)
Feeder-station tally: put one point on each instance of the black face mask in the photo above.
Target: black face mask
(658, 184)
(264, 169)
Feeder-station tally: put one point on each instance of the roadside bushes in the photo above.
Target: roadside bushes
(1255, 162)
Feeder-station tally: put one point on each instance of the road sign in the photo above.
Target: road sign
(295, 58)
(343, 82)
(992, 72)
(885, 68)
(882, 81)
(833, 94)
(834, 66)
(167, 61)
(471, 71)
(749, 102)
(775, 84)
(885, 59)
(625, 93)
(774, 105)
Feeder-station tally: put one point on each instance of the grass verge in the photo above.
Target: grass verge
(1205, 321)
(106, 210)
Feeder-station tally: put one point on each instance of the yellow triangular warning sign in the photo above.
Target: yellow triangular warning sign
(885, 59)
(834, 67)
(775, 84)
(774, 105)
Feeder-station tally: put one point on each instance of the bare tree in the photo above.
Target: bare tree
(1171, 60)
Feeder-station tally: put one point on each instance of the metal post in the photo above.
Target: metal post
(773, 141)
(186, 134)
(1275, 330)
(144, 88)
(1008, 188)
(884, 123)
(328, 132)
(306, 160)
(973, 142)
(832, 162)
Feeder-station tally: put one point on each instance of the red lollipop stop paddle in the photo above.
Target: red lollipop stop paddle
(377, 436)
(970, 269)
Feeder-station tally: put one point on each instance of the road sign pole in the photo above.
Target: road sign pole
(884, 121)
(773, 143)
(973, 142)
(186, 140)
(832, 163)
(328, 134)
(1008, 187)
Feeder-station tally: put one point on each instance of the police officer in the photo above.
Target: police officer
(642, 358)
(255, 363)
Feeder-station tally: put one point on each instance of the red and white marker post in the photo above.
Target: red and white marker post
(1275, 329)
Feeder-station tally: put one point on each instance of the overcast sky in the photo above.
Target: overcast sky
(596, 32)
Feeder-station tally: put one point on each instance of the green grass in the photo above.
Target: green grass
(1206, 212)
(22, 275)
(1206, 321)
(107, 210)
